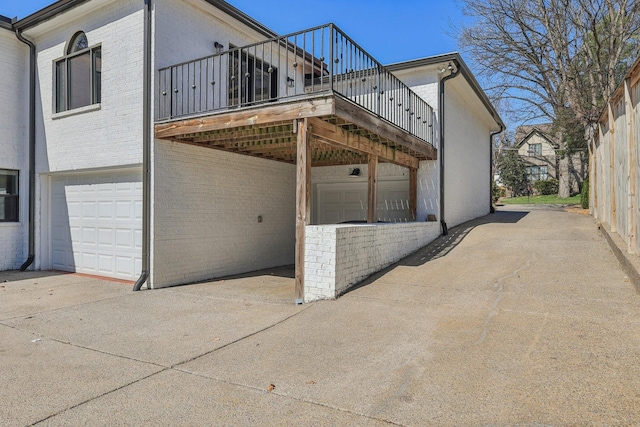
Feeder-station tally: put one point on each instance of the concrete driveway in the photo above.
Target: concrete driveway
(520, 318)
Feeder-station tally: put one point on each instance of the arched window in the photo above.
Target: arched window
(77, 43)
(78, 74)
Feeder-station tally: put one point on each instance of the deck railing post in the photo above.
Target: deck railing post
(331, 54)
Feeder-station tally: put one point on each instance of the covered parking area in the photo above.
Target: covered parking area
(236, 193)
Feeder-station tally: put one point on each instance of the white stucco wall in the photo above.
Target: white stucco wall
(14, 143)
(206, 208)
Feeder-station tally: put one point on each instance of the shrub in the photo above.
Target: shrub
(584, 196)
(546, 187)
(495, 192)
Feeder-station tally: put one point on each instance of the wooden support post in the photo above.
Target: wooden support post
(413, 193)
(303, 207)
(613, 223)
(632, 221)
(372, 215)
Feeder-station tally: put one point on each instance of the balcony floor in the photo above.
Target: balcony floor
(341, 133)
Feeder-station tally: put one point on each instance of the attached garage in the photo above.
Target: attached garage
(96, 223)
(339, 202)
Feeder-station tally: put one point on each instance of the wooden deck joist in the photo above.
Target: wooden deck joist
(339, 132)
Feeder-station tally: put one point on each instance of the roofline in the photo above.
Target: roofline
(62, 6)
(452, 57)
(5, 22)
(542, 134)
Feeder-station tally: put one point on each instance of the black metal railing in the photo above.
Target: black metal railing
(309, 63)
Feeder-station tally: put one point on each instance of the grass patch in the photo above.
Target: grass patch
(540, 200)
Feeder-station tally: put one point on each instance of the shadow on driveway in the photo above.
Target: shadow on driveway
(444, 244)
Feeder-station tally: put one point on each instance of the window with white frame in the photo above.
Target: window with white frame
(78, 75)
(9, 195)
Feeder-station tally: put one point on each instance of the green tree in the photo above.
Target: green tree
(513, 172)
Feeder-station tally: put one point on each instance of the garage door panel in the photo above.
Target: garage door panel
(105, 264)
(89, 236)
(105, 210)
(138, 209)
(105, 237)
(75, 234)
(124, 265)
(95, 221)
(137, 238)
(73, 209)
(124, 238)
(124, 210)
(89, 261)
(354, 196)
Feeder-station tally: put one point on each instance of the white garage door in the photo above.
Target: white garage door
(347, 201)
(96, 224)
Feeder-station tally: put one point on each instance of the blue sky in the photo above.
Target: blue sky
(390, 30)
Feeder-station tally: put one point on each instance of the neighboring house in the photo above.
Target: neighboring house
(538, 149)
(178, 141)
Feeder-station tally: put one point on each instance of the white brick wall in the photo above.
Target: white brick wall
(187, 30)
(14, 143)
(206, 209)
(467, 170)
(111, 135)
(339, 256)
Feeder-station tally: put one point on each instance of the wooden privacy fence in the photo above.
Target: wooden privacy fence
(614, 155)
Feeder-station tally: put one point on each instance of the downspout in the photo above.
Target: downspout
(491, 135)
(146, 151)
(454, 73)
(32, 149)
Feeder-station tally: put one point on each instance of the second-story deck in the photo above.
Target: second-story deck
(250, 100)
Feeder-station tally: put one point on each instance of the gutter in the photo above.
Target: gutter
(491, 135)
(32, 148)
(146, 151)
(454, 72)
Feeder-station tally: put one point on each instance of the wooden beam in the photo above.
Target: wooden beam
(262, 114)
(372, 207)
(336, 136)
(362, 118)
(303, 205)
(413, 193)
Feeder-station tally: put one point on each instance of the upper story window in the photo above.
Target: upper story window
(78, 75)
(8, 195)
(535, 149)
(251, 79)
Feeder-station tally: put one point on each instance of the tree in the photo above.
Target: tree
(513, 172)
(557, 60)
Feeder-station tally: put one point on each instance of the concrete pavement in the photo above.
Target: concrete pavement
(521, 318)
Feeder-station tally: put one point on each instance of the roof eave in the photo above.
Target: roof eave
(452, 57)
(6, 23)
(62, 6)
